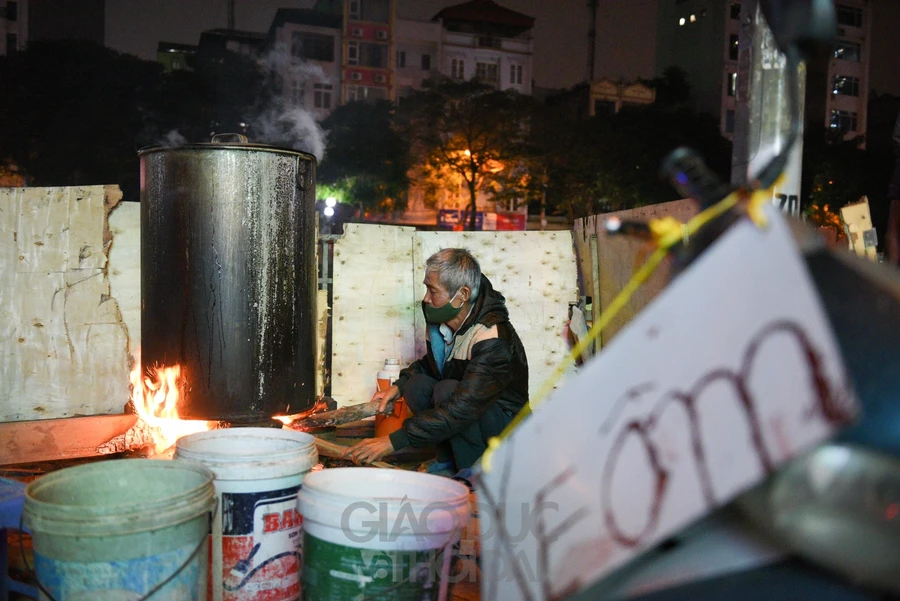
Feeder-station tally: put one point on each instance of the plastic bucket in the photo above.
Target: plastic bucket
(118, 529)
(256, 545)
(380, 534)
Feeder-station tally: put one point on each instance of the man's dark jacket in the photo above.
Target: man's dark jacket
(497, 372)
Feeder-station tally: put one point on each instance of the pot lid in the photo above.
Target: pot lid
(227, 142)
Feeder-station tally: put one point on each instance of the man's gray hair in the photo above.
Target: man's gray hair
(455, 268)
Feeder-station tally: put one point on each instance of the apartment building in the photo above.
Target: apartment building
(13, 26)
(702, 37)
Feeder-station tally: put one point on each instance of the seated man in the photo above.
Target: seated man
(473, 379)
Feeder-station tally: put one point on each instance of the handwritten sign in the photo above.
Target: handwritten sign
(729, 373)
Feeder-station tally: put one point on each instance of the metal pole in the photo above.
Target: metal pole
(762, 111)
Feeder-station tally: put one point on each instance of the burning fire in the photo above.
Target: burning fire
(155, 397)
(287, 420)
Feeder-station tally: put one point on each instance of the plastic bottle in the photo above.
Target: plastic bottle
(385, 423)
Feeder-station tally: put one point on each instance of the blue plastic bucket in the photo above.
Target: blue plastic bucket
(119, 529)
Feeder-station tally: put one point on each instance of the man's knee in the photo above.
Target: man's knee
(418, 392)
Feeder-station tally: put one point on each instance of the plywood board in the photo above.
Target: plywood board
(618, 257)
(373, 303)
(63, 344)
(378, 290)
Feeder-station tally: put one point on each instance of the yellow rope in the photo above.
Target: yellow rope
(667, 232)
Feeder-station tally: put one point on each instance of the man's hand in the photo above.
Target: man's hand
(369, 450)
(385, 396)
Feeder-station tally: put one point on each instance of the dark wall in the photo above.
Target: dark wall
(67, 20)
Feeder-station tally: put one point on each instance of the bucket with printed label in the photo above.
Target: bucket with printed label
(121, 530)
(256, 543)
(380, 534)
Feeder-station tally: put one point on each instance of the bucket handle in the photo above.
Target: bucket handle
(154, 590)
(221, 138)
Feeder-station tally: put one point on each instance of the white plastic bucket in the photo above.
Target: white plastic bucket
(256, 546)
(379, 534)
(118, 529)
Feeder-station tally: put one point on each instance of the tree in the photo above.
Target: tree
(611, 162)
(472, 134)
(71, 113)
(366, 161)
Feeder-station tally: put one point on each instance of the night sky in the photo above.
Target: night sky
(625, 35)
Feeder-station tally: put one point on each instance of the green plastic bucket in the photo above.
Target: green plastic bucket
(256, 548)
(119, 529)
(379, 534)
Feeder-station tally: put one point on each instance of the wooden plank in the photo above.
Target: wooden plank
(50, 439)
(326, 448)
(620, 256)
(63, 344)
(124, 267)
(372, 313)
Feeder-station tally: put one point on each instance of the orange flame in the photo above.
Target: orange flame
(155, 398)
(287, 420)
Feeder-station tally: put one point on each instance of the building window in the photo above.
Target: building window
(486, 72)
(732, 83)
(374, 11)
(735, 11)
(298, 93)
(515, 74)
(12, 11)
(322, 95)
(353, 53)
(426, 62)
(733, 47)
(845, 86)
(373, 55)
(729, 121)
(312, 46)
(847, 51)
(401, 59)
(458, 68)
(12, 44)
(849, 15)
(843, 120)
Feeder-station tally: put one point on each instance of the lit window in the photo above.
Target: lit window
(682, 21)
(732, 84)
(693, 18)
(847, 51)
(845, 86)
(733, 45)
(843, 120)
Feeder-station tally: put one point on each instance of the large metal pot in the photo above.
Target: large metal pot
(228, 276)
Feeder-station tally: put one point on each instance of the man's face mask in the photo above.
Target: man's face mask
(441, 314)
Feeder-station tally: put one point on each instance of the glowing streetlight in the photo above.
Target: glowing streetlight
(329, 211)
(330, 202)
